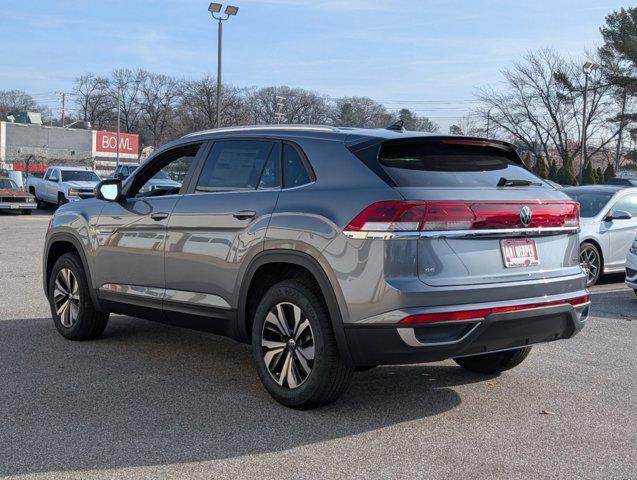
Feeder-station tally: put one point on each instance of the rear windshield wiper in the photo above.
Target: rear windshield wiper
(512, 182)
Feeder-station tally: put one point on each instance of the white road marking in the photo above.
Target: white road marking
(612, 290)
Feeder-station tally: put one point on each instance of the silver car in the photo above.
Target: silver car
(608, 227)
(328, 250)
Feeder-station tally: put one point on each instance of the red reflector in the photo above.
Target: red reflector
(397, 215)
(483, 312)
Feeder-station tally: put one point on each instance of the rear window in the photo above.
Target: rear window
(434, 164)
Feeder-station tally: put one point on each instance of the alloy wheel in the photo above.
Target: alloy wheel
(287, 345)
(66, 297)
(589, 259)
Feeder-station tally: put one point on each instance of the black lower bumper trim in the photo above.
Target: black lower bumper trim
(382, 345)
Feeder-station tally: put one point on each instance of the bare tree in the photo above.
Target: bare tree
(12, 101)
(159, 95)
(94, 99)
(284, 104)
(128, 82)
(541, 106)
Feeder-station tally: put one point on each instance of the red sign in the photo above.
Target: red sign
(106, 143)
(21, 167)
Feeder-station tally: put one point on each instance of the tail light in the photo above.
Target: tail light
(483, 312)
(397, 215)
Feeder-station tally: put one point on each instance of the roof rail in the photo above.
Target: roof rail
(240, 128)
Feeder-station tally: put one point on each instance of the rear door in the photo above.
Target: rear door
(220, 224)
(621, 232)
(479, 198)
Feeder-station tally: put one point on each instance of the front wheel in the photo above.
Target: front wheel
(294, 349)
(494, 362)
(73, 312)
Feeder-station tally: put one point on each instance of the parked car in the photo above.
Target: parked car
(328, 249)
(13, 198)
(61, 185)
(623, 181)
(161, 180)
(608, 226)
(631, 266)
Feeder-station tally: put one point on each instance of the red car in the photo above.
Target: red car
(12, 198)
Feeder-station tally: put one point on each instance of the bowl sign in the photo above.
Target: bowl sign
(105, 144)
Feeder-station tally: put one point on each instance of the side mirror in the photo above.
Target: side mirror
(109, 189)
(618, 215)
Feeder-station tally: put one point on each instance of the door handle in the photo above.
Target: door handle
(244, 214)
(159, 216)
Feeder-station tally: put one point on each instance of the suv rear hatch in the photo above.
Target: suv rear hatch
(481, 216)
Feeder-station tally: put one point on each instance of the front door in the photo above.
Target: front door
(219, 224)
(131, 233)
(621, 232)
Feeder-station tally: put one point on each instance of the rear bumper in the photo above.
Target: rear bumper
(382, 344)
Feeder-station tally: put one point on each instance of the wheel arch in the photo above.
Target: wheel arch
(57, 245)
(299, 259)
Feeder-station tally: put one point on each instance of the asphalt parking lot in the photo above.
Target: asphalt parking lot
(152, 401)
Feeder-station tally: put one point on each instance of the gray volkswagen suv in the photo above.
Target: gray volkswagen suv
(329, 250)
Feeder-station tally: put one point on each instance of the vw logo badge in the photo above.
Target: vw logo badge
(526, 216)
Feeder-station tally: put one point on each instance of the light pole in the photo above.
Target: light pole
(214, 9)
(119, 105)
(586, 68)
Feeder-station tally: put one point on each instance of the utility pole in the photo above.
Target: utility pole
(118, 125)
(63, 106)
(618, 152)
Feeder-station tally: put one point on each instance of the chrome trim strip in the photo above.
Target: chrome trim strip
(178, 296)
(408, 336)
(500, 232)
(195, 298)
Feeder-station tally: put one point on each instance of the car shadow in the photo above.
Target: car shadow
(150, 394)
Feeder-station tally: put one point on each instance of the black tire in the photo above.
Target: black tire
(494, 362)
(588, 249)
(88, 323)
(25, 212)
(61, 199)
(329, 376)
(365, 368)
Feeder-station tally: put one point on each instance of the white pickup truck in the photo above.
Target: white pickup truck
(63, 184)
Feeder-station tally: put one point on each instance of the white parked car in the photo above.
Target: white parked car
(61, 185)
(608, 227)
(631, 266)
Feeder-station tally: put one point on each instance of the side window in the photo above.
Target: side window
(627, 204)
(47, 175)
(294, 171)
(55, 176)
(233, 165)
(271, 175)
(166, 174)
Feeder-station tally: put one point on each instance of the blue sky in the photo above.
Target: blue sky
(403, 53)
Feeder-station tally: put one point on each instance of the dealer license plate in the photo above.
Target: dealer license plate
(519, 252)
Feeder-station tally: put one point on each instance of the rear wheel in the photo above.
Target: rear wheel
(591, 261)
(73, 312)
(494, 362)
(294, 349)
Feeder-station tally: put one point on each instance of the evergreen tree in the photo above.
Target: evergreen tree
(540, 168)
(599, 175)
(588, 175)
(553, 171)
(609, 172)
(566, 173)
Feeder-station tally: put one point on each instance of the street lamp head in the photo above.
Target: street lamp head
(214, 7)
(587, 65)
(231, 10)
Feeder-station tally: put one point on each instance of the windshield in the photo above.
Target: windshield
(7, 183)
(436, 164)
(79, 176)
(590, 203)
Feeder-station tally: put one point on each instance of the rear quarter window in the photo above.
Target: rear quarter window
(436, 164)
